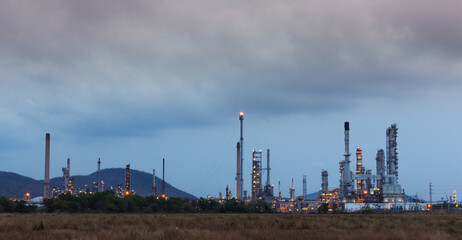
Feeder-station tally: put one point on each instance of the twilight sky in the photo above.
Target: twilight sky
(136, 81)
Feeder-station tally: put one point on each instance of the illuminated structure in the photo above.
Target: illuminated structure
(68, 182)
(256, 175)
(359, 171)
(66, 176)
(240, 161)
(386, 187)
(127, 180)
(346, 186)
(292, 192)
(392, 191)
(326, 195)
(454, 195)
(304, 186)
(119, 191)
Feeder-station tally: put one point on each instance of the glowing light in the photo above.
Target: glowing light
(127, 193)
(163, 195)
(241, 114)
(365, 192)
(27, 194)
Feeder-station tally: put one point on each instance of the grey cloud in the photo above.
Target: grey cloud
(106, 66)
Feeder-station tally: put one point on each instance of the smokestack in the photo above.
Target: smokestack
(163, 177)
(238, 172)
(346, 171)
(154, 190)
(46, 182)
(241, 119)
(127, 179)
(98, 173)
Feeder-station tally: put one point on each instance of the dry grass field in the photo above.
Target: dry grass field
(228, 226)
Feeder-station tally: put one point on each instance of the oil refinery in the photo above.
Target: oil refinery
(68, 181)
(358, 187)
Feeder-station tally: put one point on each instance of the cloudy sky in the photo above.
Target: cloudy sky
(136, 81)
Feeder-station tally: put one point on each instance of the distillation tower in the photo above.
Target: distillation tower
(386, 187)
(256, 175)
(127, 180)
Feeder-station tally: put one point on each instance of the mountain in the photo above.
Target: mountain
(312, 196)
(15, 185)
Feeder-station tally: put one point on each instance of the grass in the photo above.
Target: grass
(228, 226)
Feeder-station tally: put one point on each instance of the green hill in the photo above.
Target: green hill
(15, 185)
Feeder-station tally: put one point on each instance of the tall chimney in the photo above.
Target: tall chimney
(238, 172)
(46, 182)
(163, 177)
(346, 171)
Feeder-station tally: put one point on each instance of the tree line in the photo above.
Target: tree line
(107, 202)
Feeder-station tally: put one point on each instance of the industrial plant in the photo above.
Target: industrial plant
(358, 186)
(357, 189)
(68, 182)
